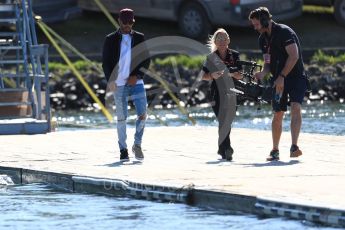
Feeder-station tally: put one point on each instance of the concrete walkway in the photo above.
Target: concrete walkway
(179, 156)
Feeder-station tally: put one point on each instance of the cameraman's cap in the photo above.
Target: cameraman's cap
(127, 16)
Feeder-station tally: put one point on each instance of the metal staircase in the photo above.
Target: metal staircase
(24, 106)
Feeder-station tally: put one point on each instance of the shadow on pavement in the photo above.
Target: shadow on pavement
(217, 162)
(120, 163)
(273, 163)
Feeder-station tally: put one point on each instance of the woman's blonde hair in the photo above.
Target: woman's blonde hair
(211, 42)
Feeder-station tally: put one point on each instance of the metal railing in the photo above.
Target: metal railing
(26, 70)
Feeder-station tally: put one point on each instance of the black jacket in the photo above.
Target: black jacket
(111, 54)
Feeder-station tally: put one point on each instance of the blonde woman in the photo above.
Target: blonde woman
(221, 68)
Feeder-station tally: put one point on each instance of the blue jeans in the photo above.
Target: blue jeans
(138, 96)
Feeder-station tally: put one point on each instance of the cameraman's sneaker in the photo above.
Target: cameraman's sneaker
(295, 151)
(274, 155)
(138, 153)
(124, 155)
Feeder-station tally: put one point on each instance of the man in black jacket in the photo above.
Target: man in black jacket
(125, 56)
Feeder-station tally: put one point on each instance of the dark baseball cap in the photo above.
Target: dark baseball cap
(127, 16)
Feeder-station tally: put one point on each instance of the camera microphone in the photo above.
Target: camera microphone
(249, 63)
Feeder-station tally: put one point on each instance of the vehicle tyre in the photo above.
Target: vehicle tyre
(339, 11)
(193, 21)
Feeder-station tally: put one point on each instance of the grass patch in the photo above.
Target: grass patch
(323, 58)
(192, 62)
(79, 65)
(57, 67)
(181, 60)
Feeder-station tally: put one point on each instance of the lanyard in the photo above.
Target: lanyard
(269, 42)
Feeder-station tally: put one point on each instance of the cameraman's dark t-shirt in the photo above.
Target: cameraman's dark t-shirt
(275, 44)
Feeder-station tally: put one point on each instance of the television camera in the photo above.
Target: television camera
(247, 88)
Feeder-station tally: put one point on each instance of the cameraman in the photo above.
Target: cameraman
(216, 68)
(283, 59)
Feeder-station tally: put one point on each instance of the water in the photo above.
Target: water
(38, 206)
(318, 117)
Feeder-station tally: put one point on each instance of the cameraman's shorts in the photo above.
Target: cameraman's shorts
(294, 91)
